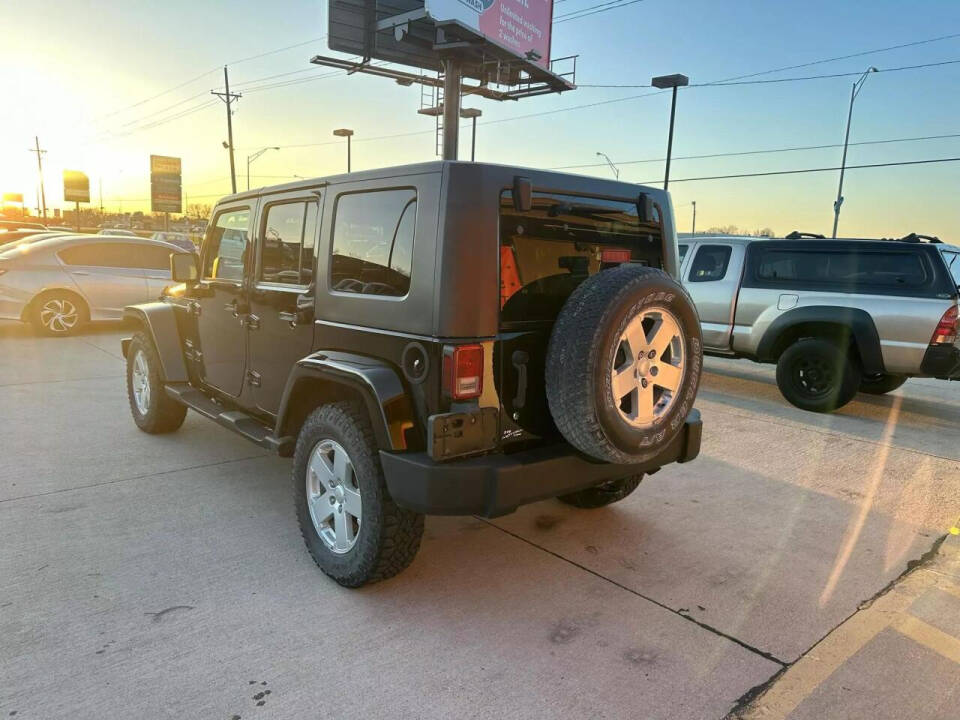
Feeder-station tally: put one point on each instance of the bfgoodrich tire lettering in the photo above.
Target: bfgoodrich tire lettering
(389, 536)
(587, 361)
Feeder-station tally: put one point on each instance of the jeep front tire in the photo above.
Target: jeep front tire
(623, 364)
(352, 528)
(153, 410)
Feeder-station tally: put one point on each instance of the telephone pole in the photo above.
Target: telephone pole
(228, 98)
(39, 152)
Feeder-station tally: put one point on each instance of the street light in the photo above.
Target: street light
(616, 170)
(251, 158)
(473, 114)
(843, 163)
(693, 230)
(347, 133)
(663, 82)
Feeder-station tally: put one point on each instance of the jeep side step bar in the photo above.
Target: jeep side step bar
(236, 420)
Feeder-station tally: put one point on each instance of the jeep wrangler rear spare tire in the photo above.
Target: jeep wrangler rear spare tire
(623, 364)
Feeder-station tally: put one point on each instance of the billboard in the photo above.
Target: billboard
(521, 26)
(165, 186)
(13, 198)
(76, 186)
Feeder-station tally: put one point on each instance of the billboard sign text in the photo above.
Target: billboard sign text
(165, 184)
(76, 186)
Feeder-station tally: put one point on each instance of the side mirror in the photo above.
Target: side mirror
(184, 267)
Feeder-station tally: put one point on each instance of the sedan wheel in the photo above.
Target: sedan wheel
(58, 316)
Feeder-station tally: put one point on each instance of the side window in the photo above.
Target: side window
(850, 269)
(953, 264)
(710, 263)
(372, 250)
(115, 255)
(287, 253)
(682, 249)
(226, 250)
(153, 257)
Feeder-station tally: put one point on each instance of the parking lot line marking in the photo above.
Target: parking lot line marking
(930, 637)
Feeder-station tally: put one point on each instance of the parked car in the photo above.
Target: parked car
(16, 236)
(118, 232)
(836, 316)
(179, 239)
(13, 225)
(446, 338)
(59, 283)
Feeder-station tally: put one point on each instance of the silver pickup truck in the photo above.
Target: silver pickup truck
(836, 316)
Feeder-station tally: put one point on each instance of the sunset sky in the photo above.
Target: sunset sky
(81, 75)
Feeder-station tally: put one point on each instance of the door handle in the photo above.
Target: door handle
(252, 322)
(231, 307)
(288, 317)
(79, 272)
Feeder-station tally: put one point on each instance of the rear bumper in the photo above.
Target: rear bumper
(498, 484)
(942, 361)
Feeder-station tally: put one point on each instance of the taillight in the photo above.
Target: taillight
(614, 256)
(946, 332)
(463, 371)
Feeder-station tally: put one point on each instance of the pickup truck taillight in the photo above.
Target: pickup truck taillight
(463, 371)
(946, 332)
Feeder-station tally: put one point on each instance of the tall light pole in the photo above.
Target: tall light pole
(473, 114)
(693, 230)
(347, 133)
(40, 153)
(616, 170)
(663, 82)
(251, 158)
(846, 141)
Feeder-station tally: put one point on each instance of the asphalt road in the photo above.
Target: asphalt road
(154, 577)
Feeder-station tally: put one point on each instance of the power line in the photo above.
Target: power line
(602, 7)
(805, 170)
(761, 152)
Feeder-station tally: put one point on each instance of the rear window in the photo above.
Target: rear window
(848, 269)
(548, 251)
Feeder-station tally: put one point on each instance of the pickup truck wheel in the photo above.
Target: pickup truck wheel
(153, 410)
(352, 528)
(881, 384)
(623, 364)
(604, 494)
(817, 375)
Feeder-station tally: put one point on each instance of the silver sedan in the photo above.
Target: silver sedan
(59, 283)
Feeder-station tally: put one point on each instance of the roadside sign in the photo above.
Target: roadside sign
(13, 198)
(76, 186)
(165, 184)
(522, 26)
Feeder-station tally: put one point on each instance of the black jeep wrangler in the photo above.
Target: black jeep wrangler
(444, 338)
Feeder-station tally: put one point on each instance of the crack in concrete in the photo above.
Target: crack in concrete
(709, 628)
(744, 701)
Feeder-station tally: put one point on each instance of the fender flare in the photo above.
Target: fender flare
(861, 325)
(378, 383)
(160, 321)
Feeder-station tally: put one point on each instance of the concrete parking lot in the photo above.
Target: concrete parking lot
(164, 576)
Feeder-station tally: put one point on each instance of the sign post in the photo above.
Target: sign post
(76, 187)
(165, 185)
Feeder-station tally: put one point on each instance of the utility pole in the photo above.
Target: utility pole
(846, 141)
(228, 98)
(43, 194)
(452, 75)
(663, 82)
(693, 230)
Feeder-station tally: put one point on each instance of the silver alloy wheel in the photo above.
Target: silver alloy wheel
(140, 381)
(59, 315)
(648, 367)
(333, 496)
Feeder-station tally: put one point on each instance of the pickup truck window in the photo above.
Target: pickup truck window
(683, 251)
(289, 234)
(847, 268)
(225, 251)
(710, 263)
(372, 249)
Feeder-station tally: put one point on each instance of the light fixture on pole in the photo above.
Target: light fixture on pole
(616, 170)
(843, 163)
(347, 133)
(663, 82)
(251, 158)
(473, 114)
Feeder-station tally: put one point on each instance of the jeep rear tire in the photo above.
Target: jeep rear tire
(817, 375)
(882, 384)
(623, 364)
(352, 528)
(153, 410)
(604, 494)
